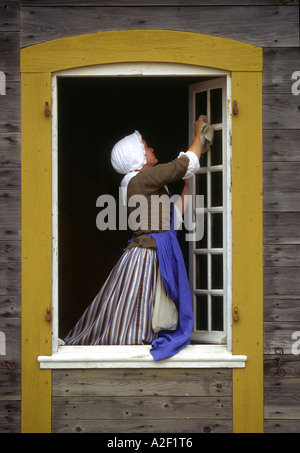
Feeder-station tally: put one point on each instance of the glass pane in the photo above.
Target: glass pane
(201, 186)
(201, 272)
(203, 160)
(216, 188)
(217, 313)
(217, 230)
(200, 104)
(216, 149)
(202, 243)
(217, 271)
(201, 313)
(216, 106)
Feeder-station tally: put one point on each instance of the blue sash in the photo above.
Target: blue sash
(174, 275)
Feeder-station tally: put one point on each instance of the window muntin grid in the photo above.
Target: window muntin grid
(209, 255)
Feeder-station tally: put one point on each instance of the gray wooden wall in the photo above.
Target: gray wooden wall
(271, 24)
(10, 218)
(142, 401)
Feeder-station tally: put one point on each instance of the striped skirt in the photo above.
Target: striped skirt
(121, 313)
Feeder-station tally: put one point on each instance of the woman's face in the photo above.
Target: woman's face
(150, 156)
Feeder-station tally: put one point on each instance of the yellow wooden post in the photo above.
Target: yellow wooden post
(247, 269)
(36, 251)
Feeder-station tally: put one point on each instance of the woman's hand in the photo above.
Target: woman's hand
(196, 146)
(198, 124)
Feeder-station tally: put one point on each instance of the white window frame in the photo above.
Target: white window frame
(192, 356)
(215, 337)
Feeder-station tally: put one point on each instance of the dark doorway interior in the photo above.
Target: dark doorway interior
(93, 114)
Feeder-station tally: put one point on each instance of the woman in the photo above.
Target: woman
(122, 311)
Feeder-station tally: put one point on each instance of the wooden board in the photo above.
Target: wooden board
(10, 214)
(9, 17)
(288, 367)
(281, 281)
(158, 2)
(10, 145)
(281, 310)
(10, 274)
(11, 328)
(143, 426)
(9, 413)
(10, 109)
(279, 65)
(281, 145)
(281, 228)
(148, 383)
(10, 55)
(10, 383)
(10, 178)
(279, 335)
(113, 408)
(282, 255)
(281, 111)
(282, 399)
(10, 251)
(274, 25)
(282, 426)
(142, 400)
(281, 186)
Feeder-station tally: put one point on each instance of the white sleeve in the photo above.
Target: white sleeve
(194, 164)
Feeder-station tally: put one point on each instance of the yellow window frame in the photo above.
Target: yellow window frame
(38, 62)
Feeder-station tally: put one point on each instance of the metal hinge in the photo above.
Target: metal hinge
(10, 365)
(47, 109)
(236, 316)
(48, 315)
(235, 109)
(280, 371)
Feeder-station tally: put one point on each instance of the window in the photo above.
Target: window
(210, 258)
(237, 61)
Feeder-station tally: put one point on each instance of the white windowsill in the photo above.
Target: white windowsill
(193, 356)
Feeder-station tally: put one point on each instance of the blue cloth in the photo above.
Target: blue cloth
(174, 275)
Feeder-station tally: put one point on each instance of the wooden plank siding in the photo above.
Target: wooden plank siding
(235, 22)
(151, 3)
(281, 240)
(10, 219)
(147, 400)
(172, 401)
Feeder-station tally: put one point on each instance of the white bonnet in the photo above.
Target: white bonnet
(128, 154)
